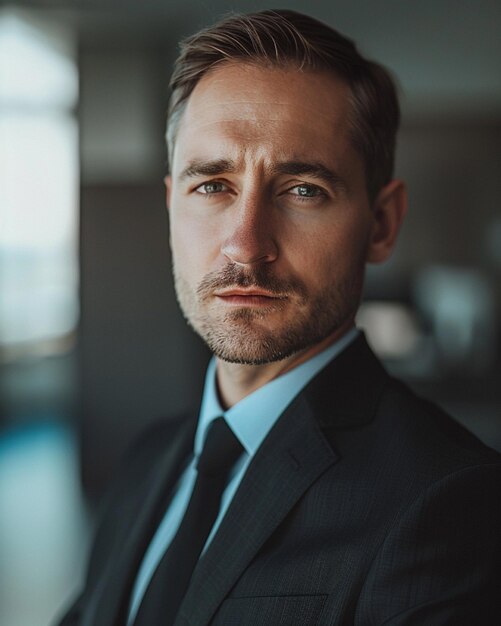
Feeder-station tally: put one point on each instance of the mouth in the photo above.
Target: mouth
(248, 297)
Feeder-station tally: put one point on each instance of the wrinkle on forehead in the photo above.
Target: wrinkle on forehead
(261, 123)
(260, 115)
(250, 130)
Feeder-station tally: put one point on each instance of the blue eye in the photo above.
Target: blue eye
(211, 188)
(306, 191)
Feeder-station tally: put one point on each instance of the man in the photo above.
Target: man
(311, 488)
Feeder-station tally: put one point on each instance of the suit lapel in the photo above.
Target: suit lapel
(293, 456)
(290, 459)
(110, 604)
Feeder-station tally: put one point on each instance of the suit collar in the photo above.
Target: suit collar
(346, 392)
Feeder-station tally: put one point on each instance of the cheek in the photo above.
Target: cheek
(329, 254)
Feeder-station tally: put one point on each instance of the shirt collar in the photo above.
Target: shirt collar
(253, 417)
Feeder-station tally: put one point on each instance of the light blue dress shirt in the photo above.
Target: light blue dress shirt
(251, 419)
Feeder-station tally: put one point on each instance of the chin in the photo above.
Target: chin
(258, 356)
(251, 346)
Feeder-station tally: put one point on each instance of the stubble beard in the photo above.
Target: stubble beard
(240, 335)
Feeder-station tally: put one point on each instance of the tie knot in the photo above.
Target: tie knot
(221, 449)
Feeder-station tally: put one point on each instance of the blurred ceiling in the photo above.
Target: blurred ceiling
(443, 51)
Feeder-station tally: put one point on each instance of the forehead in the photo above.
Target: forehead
(248, 108)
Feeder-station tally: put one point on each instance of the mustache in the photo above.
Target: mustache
(262, 277)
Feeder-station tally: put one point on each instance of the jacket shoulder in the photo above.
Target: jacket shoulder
(437, 437)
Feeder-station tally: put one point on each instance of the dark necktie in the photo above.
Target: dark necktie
(170, 581)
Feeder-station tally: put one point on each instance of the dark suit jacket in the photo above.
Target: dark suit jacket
(364, 506)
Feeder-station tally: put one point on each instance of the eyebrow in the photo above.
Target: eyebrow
(207, 168)
(215, 167)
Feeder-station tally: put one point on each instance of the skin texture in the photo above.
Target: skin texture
(271, 225)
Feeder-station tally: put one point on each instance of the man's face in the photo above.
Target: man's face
(269, 215)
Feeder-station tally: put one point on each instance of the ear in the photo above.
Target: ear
(168, 190)
(389, 210)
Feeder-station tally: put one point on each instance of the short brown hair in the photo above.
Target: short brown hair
(286, 38)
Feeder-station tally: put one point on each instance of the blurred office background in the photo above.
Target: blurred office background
(92, 346)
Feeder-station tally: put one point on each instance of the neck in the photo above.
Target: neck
(236, 381)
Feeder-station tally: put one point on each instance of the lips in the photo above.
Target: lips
(248, 297)
(247, 293)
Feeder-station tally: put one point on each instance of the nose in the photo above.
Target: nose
(251, 234)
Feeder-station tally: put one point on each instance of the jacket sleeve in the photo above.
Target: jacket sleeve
(440, 563)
